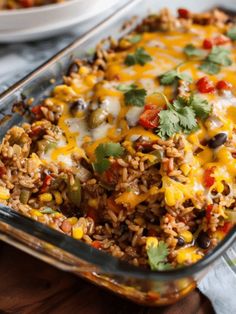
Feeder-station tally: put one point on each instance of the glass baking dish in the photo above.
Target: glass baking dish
(142, 286)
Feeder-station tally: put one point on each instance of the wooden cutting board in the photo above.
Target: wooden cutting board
(30, 286)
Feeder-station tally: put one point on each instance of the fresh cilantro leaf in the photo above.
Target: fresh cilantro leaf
(232, 33)
(125, 88)
(103, 151)
(191, 51)
(135, 97)
(135, 39)
(219, 55)
(168, 123)
(210, 67)
(157, 256)
(200, 106)
(170, 77)
(181, 115)
(48, 210)
(140, 56)
(187, 119)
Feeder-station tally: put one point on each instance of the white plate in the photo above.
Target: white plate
(46, 21)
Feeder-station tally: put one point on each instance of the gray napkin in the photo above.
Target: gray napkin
(220, 283)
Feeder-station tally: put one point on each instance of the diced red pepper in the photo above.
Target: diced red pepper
(37, 111)
(208, 211)
(226, 228)
(149, 118)
(223, 85)
(111, 175)
(208, 43)
(209, 180)
(46, 182)
(92, 213)
(205, 86)
(3, 171)
(221, 40)
(27, 3)
(184, 13)
(96, 244)
(36, 131)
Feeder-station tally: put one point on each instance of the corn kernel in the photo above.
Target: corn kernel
(151, 241)
(77, 233)
(72, 220)
(90, 80)
(83, 70)
(185, 169)
(35, 212)
(172, 196)
(58, 197)
(220, 187)
(4, 193)
(187, 236)
(169, 197)
(45, 197)
(93, 202)
(188, 255)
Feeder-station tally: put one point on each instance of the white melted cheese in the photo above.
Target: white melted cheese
(111, 105)
(133, 114)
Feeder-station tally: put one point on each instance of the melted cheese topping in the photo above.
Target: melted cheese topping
(166, 50)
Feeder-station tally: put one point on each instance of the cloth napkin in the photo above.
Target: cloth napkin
(220, 283)
(16, 60)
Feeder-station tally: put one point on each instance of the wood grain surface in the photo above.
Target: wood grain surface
(29, 286)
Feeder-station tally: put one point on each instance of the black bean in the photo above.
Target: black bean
(218, 140)
(181, 241)
(78, 105)
(203, 240)
(145, 232)
(73, 68)
(201, 214)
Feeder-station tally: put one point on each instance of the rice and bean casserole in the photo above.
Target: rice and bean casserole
(135, 153)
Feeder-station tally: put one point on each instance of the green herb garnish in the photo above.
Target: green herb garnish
(171, 77)
(133, 96)
(48, 210)
(102, 152)
(191, 51)
(135, 39)
(157, 256)
(140, 56)
(232, 33)
(218, 57)
(181, 115)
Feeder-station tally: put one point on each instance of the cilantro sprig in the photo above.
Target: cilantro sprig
(140, 56)
(191, 51)
(218, 57)
(157, 256)
(232, 33)
(102, 152)
(173, 76)
(180, 116)
(133, 95)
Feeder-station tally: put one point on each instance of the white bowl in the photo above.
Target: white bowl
(36, 17)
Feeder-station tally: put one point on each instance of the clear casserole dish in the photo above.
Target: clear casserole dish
(152, 288)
